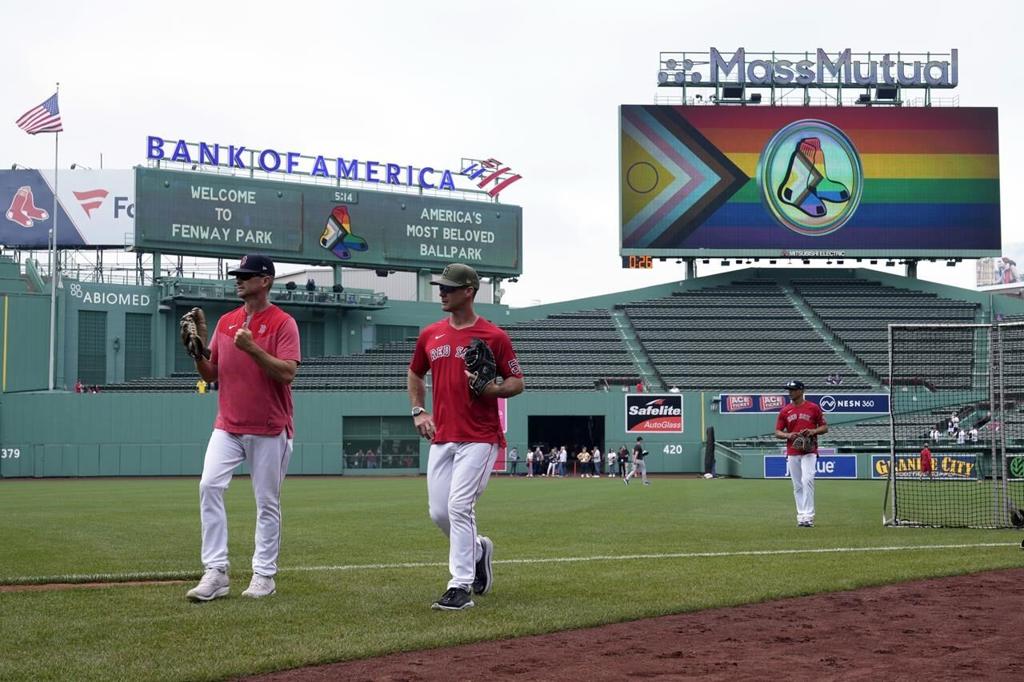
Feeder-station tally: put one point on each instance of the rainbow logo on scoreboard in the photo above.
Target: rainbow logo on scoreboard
(721, 180)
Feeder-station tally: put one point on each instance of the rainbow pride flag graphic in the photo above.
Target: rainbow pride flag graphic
(718, 180)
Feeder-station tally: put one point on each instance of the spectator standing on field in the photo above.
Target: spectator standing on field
(563, 458)
(595, 458)
(623, 458)
(583, 457)
(552, 459)
(513, 460)
(529, 463)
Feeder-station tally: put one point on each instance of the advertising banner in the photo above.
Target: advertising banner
(830, 403)
(94, 208)
(1002, 272)
(208, 215)
(809, 181)
(654, 413)
(830, 465)
(956, 467)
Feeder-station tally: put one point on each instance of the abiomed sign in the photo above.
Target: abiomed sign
(802, 69)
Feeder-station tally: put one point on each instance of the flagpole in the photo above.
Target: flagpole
(54, 267)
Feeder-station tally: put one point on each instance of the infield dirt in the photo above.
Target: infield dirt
(963, 627)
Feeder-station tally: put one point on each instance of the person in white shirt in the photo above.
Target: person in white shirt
(612, 460)
(974, 434)
(529, 463)
(596, 460)
(563, 457)
(960, 437)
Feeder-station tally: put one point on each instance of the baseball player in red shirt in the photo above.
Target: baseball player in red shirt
(801, 418)
(464, 431)
(253, 355)
(926, 462)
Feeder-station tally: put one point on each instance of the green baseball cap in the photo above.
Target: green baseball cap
(458, 275)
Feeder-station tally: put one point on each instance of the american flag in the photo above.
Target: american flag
(44, 118)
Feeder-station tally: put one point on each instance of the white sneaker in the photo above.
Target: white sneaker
(260, 586)
(213, 584)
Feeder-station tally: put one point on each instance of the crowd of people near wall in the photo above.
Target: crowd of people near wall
(392, 456)
(954, 432)
(584, 461)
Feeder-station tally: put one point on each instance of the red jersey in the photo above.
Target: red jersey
(926, 460)
(458, 416)
(249, 401)
(795, 418)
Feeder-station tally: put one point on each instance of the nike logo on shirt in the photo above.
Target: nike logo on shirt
(232, 326)
(438, 336)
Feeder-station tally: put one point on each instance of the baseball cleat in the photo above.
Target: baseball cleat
(454, 599)
(484, 575)
(260, 586)
(214, 584)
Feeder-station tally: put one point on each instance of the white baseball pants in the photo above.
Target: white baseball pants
(457, 474)
(801, 470)
(268, 463)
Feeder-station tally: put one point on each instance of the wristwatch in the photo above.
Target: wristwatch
(417, 411)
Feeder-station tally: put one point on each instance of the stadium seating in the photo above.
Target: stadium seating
(858, 312)
(745, 335)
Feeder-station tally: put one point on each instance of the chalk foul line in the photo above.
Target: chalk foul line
(185, 574)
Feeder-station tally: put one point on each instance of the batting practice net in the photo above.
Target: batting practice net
(957, 390)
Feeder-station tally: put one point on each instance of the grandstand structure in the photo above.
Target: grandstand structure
(745, 331)
(740, 335)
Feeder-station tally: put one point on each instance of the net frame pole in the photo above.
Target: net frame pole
(993, 336)
(890, 484)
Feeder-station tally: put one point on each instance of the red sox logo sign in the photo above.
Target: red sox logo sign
(23, 210)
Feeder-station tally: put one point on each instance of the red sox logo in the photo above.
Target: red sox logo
(23, 210)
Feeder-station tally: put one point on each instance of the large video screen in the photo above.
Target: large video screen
(809, 181)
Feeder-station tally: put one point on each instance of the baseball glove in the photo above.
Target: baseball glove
(481, 366)
(804, 443)
(194, 334)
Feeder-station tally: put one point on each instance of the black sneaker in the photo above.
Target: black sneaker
(484, 576)
(454, 599)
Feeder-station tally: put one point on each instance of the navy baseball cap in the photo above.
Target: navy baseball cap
(254, 264)
(795, 384)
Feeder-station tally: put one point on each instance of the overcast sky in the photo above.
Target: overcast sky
(535, 84)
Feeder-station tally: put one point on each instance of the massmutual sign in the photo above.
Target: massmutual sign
(818, 69)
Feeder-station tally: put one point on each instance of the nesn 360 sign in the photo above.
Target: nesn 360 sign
(273, 161)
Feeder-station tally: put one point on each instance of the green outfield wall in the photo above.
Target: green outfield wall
(150, 434)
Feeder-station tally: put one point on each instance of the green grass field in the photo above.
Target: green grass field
(361, 563)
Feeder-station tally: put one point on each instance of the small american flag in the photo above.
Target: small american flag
(44, 118)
